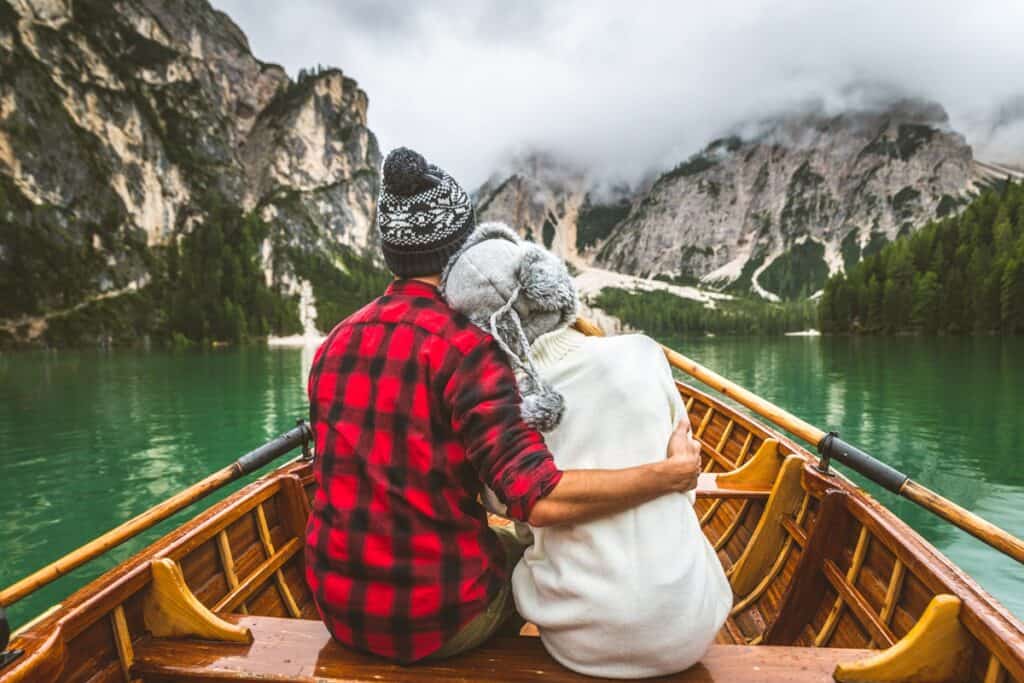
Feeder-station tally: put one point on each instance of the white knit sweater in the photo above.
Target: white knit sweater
(640, 593)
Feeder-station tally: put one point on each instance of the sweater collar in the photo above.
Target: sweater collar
(552, 347)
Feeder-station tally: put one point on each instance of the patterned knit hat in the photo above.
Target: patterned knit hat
(423, 215)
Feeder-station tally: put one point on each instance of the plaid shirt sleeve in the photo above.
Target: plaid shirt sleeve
(509, 456)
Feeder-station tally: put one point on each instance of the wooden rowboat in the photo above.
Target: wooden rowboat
(829, 585)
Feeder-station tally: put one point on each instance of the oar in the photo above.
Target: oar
(250, 462)
(831, 446)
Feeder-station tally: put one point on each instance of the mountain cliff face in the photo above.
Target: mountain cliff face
(554, 204)
(773, 212)
(805, 197)
(124, 125)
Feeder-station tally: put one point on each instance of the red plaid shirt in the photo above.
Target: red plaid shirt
(413, 407)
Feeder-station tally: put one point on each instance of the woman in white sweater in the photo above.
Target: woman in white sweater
(632, 595)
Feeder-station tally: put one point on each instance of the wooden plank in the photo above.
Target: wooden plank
(733, 526)
(301, 650)
(879, 632)
(745, 449)
(807, 588)
(795, 532)
(994, 673)
(295, 506)
(268, 545)
(769, 536)
(735, 634)
(724, 439)
(713, 508)
(773, 572)
(704, 422)
(892, 592)
(760, 471)
(97, 599)
(859, 552)
(716, 457)
(228, 563)
(708, 487)
(262, 574)
(123, 642)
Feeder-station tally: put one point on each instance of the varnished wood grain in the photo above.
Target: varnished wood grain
(859, 553)
(296, 650)
(123, 641)
(769, 536)
(258, 577)
(268, 546)
(807, 587)
(852, 599)
(760, 471)
(709, 486)
(980, 528)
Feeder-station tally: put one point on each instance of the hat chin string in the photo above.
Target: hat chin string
(534, 383)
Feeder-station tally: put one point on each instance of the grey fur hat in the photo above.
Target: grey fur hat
(517, 291)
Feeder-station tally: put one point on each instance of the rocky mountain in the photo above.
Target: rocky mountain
(125, 125)
(555, 204)
(773, 210)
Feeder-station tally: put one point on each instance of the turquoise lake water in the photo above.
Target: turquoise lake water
(89, 439)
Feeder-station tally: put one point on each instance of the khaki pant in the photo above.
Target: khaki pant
(501, 609)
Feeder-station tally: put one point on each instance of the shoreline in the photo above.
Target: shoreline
(296, 341)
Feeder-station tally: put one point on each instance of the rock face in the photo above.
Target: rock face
(773, 212)
(803, 198)
(554, 204)
(122, 123)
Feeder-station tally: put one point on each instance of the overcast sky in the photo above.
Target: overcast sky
(622, 87)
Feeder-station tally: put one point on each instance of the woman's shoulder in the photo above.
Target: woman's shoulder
(627, 346)
(631, 353)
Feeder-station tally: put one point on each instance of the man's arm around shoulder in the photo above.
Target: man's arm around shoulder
(582, 495)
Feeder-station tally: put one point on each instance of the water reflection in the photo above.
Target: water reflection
(90, 439)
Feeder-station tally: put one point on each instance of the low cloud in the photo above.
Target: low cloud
(625, 87)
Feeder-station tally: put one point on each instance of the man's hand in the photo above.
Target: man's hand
(682, 466)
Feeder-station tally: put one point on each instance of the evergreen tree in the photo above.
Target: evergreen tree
(960, 274)
(1012, 296)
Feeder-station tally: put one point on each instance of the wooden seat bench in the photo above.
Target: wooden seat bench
(302, 650)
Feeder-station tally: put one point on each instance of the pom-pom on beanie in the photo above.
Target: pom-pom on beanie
(423, 215)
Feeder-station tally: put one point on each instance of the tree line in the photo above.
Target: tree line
(662, 313)
(963, 274)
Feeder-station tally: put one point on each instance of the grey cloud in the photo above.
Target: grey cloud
(624, 87)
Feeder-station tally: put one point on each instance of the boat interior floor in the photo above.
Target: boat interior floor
(303, 650)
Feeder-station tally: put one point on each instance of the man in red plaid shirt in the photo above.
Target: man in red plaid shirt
(414, 410)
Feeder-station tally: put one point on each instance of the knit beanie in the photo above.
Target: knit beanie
(423, 215)
(517, 291)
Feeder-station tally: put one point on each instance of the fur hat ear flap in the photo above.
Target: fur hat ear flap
(546, 284)
(543, 409)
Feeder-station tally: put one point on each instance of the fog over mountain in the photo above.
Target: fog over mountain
(623, 88)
